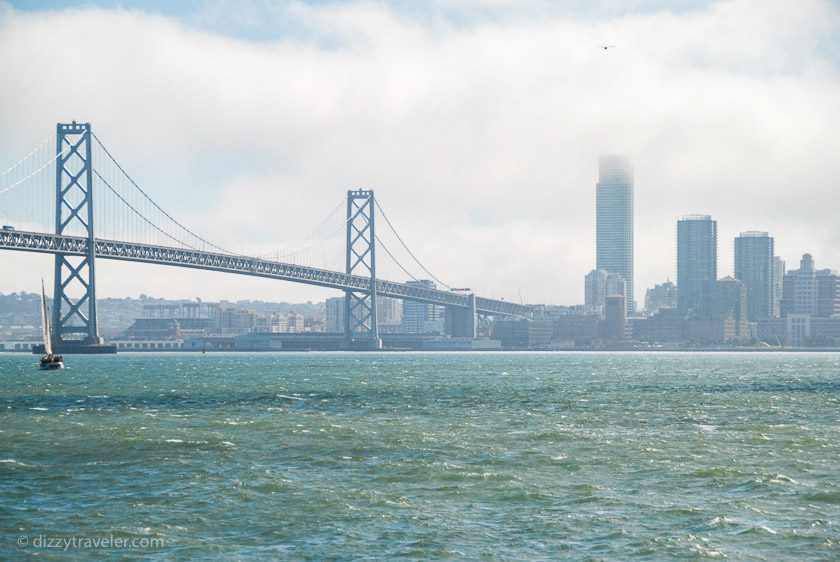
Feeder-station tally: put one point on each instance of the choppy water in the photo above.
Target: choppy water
(425, 456)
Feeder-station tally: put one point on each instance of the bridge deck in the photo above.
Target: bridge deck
(243, 265)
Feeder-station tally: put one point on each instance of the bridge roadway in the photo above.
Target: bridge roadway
(243, 265)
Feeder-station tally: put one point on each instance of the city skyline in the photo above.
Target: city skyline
(745, 125)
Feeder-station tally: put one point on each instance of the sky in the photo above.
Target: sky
(478, 123)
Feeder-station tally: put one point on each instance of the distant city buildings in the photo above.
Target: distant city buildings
(659, 297)
(778, 285)
(696, 264)
(335, 315)
(600, 284)
(800, 289)
(233, 321)
(810, 291)
(419, 317)
(615, 317)
(614, 218)
(754, 266)
(390, 313)
(828, 293)
(729, 301)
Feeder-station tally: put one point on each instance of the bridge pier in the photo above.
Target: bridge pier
(462, 322)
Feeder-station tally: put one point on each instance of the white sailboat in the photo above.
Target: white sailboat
(48, 361)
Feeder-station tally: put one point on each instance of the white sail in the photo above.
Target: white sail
(46, 333)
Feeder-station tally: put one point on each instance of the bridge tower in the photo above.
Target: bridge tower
(74, 296)
(360, 321)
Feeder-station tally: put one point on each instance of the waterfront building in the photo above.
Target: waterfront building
(615, 318)
(614, 218)
(710, 331)
(754, 267)
(666, 326)
(696, 263)
(580, 328)
(524, 333)
(419, 317)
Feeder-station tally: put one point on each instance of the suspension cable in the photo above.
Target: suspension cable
(394, 230)
(139, 214)
(190, 232)
(387, 251)
(281, 251)
(25, 158)
(44, 165)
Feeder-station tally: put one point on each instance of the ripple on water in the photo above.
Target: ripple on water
(381, 456)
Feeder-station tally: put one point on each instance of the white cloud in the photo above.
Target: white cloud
(481, 139)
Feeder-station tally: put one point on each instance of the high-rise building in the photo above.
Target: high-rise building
(778, 285)
(828, 293)
(754, 268)
(614, 210)
(601, 284)
(696, 263)
(595, 291)
(800, 289)
(335, 315)
(419, 317)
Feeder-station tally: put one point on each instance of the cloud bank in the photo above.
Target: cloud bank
(478, 124)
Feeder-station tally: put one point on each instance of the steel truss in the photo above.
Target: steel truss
(163, 255)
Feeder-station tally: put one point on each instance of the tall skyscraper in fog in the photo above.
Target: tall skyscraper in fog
(614, 217)
(754, 267)
(696, 263)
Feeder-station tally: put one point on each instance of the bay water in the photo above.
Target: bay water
(348, 456)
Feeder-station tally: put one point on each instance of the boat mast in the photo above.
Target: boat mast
(46, 333)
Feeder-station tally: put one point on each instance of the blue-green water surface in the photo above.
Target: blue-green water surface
(424, 456)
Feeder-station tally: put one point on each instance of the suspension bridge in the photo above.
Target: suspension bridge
(71, 198)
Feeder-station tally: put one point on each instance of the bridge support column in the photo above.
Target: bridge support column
(360, 321)
(461, 322)
(74, 288)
